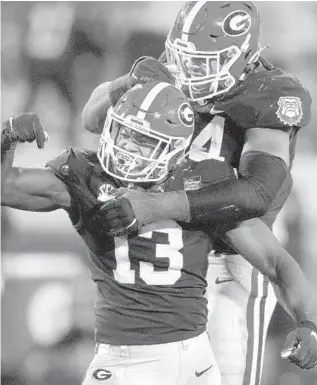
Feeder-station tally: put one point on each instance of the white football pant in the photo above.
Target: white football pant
(189, 362)
(241, 302)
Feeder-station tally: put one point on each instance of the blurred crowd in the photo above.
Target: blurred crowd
(53, 54)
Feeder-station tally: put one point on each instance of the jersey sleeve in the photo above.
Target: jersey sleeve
(59, 164)
(73, 167)
(278, 101)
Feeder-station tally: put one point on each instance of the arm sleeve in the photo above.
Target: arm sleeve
(235, 200)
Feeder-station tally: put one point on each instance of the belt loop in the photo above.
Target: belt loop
(185, 345)
(125, 351)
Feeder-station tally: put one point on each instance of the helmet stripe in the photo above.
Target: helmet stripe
(149, 99)
(190, 18)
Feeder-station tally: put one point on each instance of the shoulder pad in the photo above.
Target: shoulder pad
(271, 99)
(72, 164)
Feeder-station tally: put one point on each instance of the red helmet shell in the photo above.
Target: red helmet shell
(158, 111)
(212, 28)
(162, 105)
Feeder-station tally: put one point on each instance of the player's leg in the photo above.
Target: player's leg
(198, 364)
(135, 365)
(241, 303)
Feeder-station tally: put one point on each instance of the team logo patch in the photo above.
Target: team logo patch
(192, 183)
(236, 23)
(104, 192)
(186, 114)
(290, 110)
(102, 374)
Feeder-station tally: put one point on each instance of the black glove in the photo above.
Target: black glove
(118, 217)
(147, 69)
(23, 128)
(300, 346)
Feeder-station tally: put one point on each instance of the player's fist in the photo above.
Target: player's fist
(147, 69)
(300, 346)
(118, 217)
(26, 127)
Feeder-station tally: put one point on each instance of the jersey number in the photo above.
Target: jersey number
(124, 274)
(213, 134)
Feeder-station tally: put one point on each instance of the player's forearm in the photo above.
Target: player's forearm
(257, 244)
(220, 204)
(154, 207)
(95, 110)
(295, 290)
(236, 200)
(104, 96)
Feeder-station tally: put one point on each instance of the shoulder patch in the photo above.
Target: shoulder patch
(271, 99)
(290, 110)
(104, 190)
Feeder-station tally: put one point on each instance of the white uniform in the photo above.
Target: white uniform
(189, 362)
(240, 302)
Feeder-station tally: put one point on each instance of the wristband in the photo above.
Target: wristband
(161, 206)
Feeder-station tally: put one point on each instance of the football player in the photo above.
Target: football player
(151, 311)
(248, 113)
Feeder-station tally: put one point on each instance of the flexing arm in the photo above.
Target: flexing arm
(27, 188)
(34, 189)
(257, 244)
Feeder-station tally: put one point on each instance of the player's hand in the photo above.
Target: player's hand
(122, 214)
(146, 69)
(300, 346)
(118, 217)
(26, 127)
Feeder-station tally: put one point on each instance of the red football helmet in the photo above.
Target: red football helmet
(212, 43)
(155, 118)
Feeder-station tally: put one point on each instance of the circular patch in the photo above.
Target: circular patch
(186, 114)
(102, 374)
(236, 23)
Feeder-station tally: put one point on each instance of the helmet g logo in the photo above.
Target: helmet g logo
(237, 23)
(186, 114)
